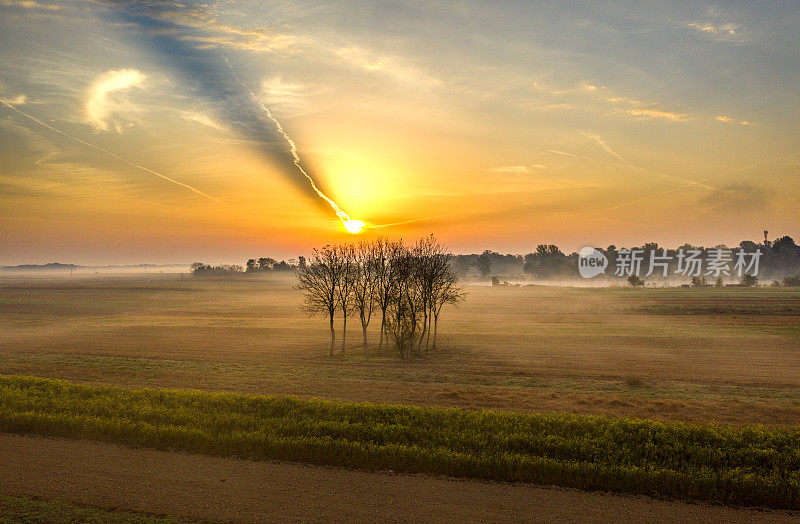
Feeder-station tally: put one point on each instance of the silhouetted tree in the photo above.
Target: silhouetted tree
(319, 283)
(749, 281)
(635, 281)
(365, 286)
(485, 263)
(347, 269)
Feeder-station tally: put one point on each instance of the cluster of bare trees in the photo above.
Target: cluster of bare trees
(407, 286)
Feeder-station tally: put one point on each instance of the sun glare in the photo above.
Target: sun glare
(354, 226)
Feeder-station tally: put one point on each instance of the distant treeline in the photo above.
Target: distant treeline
(779, 259)
(253, 265)
(778, 263)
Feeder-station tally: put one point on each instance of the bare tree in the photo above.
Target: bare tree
(347, 271)
(319, 282)
(446, 290)
(401, 321)
(409, 286)
(385, 252)
(368, 266)
(423, 255)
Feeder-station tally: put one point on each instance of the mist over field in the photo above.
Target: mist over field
(399, 261)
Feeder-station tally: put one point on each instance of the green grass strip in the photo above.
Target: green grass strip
(746, 466)
(14, 508)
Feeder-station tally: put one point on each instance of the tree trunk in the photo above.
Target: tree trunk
(428, 340)
(435, 329)
(364, 333)
(344, 333)
(333, 336)
(383, 331)
(422, 335)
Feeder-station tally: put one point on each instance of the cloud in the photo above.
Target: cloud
(201, 26)
(516, 170)
(714, 26)
(255, 40)
(287, 97)
(511, 170)
(600, 142)
(641, 110)
(369, 61)
(657, 113)
(200, 118)
(618, 99)
(99, 105)
(723, 29)
(738, 198)
(28, 4)
(595, 98)
(729, 120)
(17, 100)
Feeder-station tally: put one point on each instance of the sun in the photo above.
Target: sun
(354, 226)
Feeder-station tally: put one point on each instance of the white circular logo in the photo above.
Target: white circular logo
(591, 262)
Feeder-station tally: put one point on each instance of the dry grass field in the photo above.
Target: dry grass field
(728, 355)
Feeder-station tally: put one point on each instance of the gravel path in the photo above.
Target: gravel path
(199, 486)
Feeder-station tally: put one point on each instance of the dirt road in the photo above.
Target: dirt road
(199, 486)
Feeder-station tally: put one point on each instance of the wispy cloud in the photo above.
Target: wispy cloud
(515, 170)
(201, 118)
(285, 96)
(16, 100)
(29, 4)
(723, 29)
(728, 120)
(202, 27)
(718, 25)
(657, 113)
(254, 40)
(368, 60)
(642, 111)
(99, 105)
(510, 170)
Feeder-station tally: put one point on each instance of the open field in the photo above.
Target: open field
(727, 355)
(191, 486)
(743, 466)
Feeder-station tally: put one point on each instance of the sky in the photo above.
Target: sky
(135, 132)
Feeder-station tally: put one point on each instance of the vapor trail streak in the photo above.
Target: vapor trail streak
(672, 190)
(98, 148)
(411, 221)
(344, 217)
(602, 143)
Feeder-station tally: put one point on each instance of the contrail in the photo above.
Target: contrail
(354, 226)
(411, 221)
(98, 148)
(554, 151)
(600, 142)
(712, 177)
